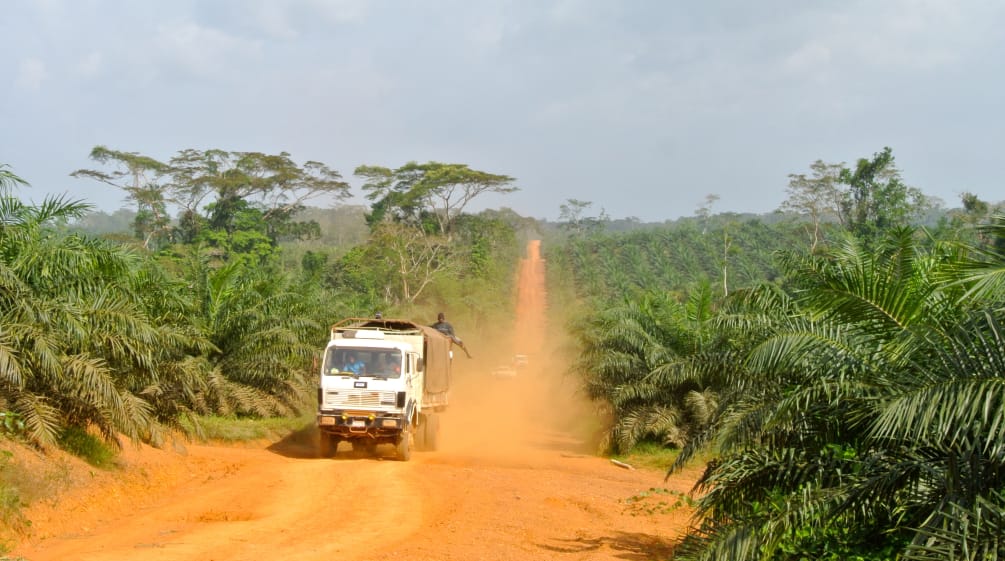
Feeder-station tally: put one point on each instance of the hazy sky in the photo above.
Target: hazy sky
(641, 107)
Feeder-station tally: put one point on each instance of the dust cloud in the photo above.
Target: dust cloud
(540, 409)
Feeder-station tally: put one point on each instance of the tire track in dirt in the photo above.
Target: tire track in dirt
(251, 504)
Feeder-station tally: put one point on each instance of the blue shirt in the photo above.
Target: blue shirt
(354, 367)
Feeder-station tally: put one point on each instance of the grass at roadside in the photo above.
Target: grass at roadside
(650, 455)
(234, 429)
(88, 447)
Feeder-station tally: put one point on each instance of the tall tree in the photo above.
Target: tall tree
(141, 177)
(816, 196)
(432, 191)
(416, 258)
(704, 211)
(232, 182)
(572, 217)
(876, 200)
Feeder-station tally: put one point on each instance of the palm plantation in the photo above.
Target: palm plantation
(95, 334)
(861, 414)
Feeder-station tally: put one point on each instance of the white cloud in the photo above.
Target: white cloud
(91, 65)
(30, 75)
(905, 35)
(486, 33)
(286, 20)
(809, 57)
(203, 51)
(570, 12)
(340, 11)
(274, 20)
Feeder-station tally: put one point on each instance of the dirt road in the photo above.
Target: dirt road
(514, 479)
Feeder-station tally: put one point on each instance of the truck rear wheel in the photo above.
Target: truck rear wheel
(420, 433)
(431, 432)
(328, 445)
(404, 448)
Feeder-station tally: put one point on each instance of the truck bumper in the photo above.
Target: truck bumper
(361, 424)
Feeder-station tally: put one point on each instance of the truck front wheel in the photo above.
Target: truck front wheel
(328, 445)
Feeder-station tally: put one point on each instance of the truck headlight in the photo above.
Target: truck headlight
(389, 423)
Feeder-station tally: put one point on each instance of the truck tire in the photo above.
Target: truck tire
(431, 431)
(328, 445)
(404, 447)
(420, 433)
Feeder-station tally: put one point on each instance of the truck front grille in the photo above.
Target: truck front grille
(344, 399)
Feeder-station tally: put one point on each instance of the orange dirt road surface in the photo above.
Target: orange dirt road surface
(513, 480)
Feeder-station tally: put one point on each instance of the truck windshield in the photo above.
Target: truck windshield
(349, 361)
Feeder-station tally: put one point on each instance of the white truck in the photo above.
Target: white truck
(383, 381)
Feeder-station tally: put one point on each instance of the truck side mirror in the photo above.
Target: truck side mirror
(420, 364)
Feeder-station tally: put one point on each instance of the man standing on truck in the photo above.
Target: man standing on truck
(444, 327)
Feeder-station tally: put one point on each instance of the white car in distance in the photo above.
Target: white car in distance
(504, 372)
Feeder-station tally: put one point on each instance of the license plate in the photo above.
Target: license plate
(358, 423)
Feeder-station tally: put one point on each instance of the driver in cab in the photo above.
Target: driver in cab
(352, 364)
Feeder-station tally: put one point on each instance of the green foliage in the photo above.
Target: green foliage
(69, 320)
(88, 447)
(243, 429)
(655, 363)
(648, 454)
(610, 266)
(876, 200)
(429, 197)
(11, 423)
(9, 180)
(880, 430)
(247, 192)
(92, 334)
(851, 398)
(571, 218)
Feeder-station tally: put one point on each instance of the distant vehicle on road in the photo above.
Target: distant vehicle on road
(503, 372)
(519, 361)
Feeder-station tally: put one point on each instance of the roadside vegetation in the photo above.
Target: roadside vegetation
(848, 396)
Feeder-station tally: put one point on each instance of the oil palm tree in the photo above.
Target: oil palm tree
(262, 335)
(75, 340)
(651, 362)
(885, 436)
